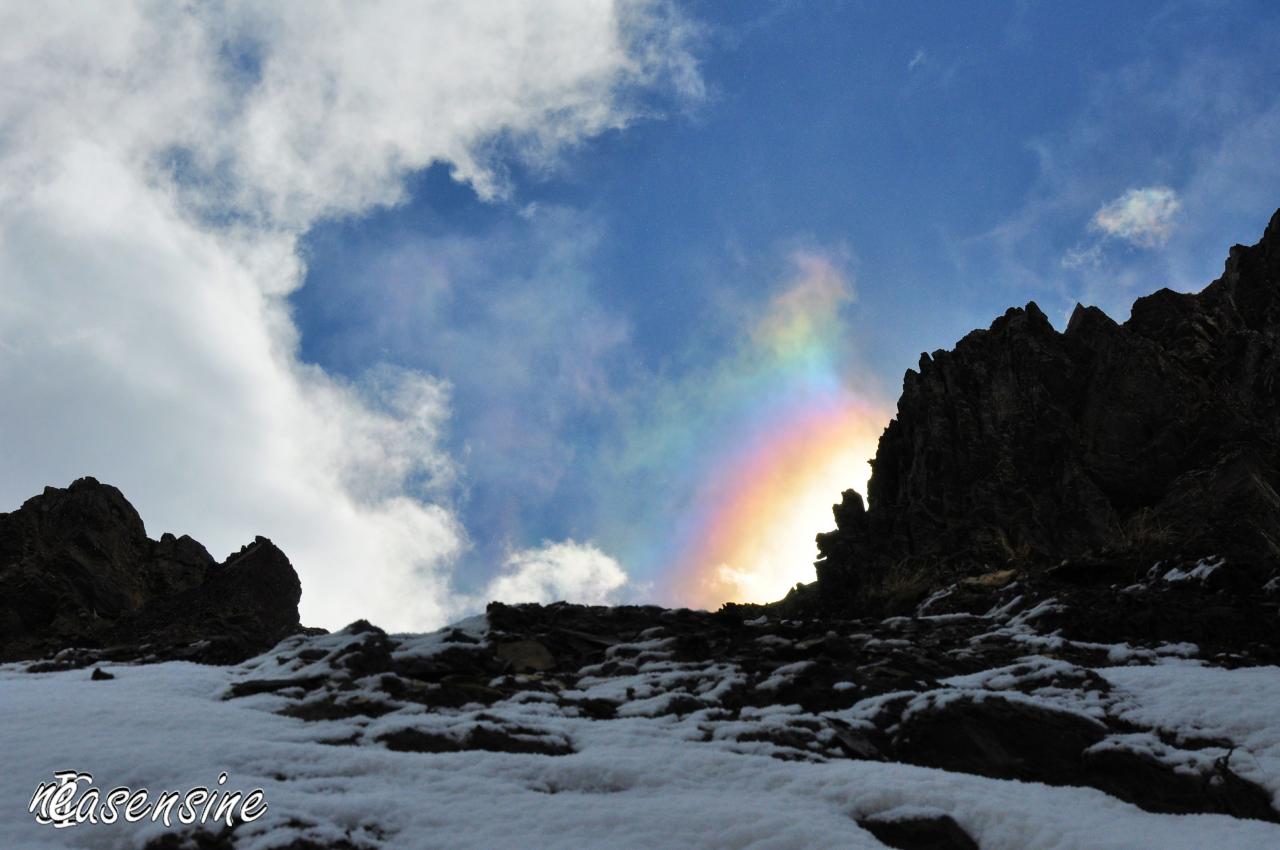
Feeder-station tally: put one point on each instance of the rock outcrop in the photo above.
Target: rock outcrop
(1098, 451)
(78, 572)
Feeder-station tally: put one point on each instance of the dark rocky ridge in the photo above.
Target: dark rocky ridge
(1097, 451)
(78, 570)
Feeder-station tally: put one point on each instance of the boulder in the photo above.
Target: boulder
(932, 832)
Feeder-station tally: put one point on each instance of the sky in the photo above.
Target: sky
(600, 301)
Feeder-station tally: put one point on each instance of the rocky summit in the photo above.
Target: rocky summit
(1093, 453)
(78, 575)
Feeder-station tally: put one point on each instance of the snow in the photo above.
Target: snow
(783, 675)
(700, 779)
(936, 596)
(1027, 670)
(1196, 702)
(1195, 763)
(1200, 572)
(1018, 627)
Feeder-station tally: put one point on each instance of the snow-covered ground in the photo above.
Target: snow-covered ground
(634, 781)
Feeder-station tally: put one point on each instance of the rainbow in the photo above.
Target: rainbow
(767, 442)
(751, 538)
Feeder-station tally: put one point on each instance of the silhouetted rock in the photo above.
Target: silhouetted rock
(78, 570)
(1108, 446)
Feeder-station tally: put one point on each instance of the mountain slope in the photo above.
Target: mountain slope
(1113, 446)
(566, 726)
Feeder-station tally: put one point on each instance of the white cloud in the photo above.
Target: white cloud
(1143, 217)
(574, 572)
(1083, 256)
(918, 59)
(158, 164)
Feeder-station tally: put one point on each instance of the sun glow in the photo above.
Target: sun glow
(772, 503)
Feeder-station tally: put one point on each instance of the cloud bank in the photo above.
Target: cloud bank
(158, 166)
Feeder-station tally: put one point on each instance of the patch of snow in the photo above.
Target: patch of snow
(936, 596)
(783, 675)
(1002, 612)
(1200, 572)
(948, 618)
(1188, 762)
(1047, 606)
(1196, 702)
(886, 643)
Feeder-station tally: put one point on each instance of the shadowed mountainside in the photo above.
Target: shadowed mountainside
(1099, 450)
(78, 570)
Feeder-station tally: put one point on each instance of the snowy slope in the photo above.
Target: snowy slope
(645, 777)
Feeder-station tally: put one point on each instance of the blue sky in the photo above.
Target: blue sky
(604, 301)
(950, 155)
